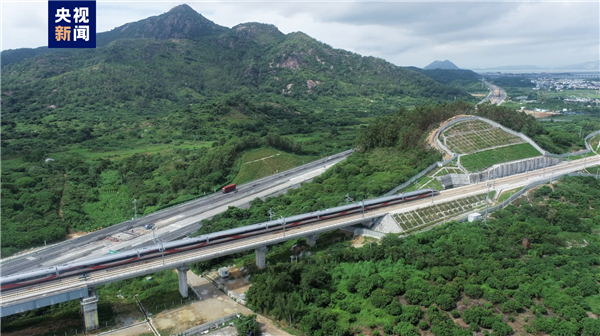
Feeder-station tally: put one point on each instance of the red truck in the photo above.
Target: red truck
(228, 188)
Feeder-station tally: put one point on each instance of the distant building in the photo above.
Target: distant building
(49, 160)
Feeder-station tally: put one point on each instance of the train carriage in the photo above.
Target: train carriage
(51, 273)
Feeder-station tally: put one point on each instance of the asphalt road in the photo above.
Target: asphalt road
(496, 96)
(172, 223)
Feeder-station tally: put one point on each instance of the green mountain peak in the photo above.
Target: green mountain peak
(181, 22)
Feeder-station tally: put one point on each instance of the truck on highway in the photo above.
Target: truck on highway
(228, 188)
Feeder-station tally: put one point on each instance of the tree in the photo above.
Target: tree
(445, 302)
(473, 291)
(380, 299)
(248, 326)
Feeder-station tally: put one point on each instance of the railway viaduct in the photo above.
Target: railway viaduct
(83, 287)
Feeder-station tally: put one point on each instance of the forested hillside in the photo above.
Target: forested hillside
(251, 78)
(515, 275)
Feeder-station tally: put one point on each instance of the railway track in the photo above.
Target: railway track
(96, 278)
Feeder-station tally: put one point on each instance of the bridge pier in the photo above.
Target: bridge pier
(89, 305)
(261, 254)
(183, 283)
(312, 240)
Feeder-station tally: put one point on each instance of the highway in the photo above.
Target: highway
(172, 223)
(496, 96)
(13, 296)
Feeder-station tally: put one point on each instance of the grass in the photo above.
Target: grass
(122, 153)
(480, 160)
(508, 193)
(262, 162)
(594, 142)
(110, 208)
(581, 156)
(594, 302)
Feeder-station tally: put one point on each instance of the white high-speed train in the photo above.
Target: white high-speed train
(130, 256)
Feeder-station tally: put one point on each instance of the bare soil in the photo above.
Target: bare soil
(540, 114)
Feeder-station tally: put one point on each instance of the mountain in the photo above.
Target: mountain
(441, 65)
(204, 81)
(448, 76)
(17, 55)
(514, 67)
(181, 22)
(580, 66)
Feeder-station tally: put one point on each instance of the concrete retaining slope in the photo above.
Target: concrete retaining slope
(387, 224)
(514, 167)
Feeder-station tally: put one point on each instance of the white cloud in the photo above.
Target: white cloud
(471, 34)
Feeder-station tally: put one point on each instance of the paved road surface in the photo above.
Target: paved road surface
(496, 96)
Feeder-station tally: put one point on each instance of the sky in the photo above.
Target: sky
(471, 34)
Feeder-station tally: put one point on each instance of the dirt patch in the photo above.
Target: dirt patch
(74, 234)
(536, 114)
(179, 319)
(431, 138)
(358, 241)
(216, 304)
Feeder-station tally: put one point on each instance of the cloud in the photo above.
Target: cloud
(472, 34)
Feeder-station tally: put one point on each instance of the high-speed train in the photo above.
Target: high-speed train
(129, 256)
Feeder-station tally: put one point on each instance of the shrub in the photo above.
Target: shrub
(445, 302)
(473, 291)
(380, 299)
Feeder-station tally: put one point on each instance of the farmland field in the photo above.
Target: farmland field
(471, 136)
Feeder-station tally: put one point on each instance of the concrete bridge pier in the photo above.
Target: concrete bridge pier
(312, 240)
(261, 254)
(89, 305)
(183, 283)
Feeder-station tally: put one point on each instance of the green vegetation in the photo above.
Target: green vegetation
(81, 194)
(266, 161)
(247, 325)
(507, 194)
(463, 79)
(480, 160)
(392, 151)
(399, 284)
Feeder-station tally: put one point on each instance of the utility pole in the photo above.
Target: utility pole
(135, 207)
(487, 203)
(271, 214)
(283, 221)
